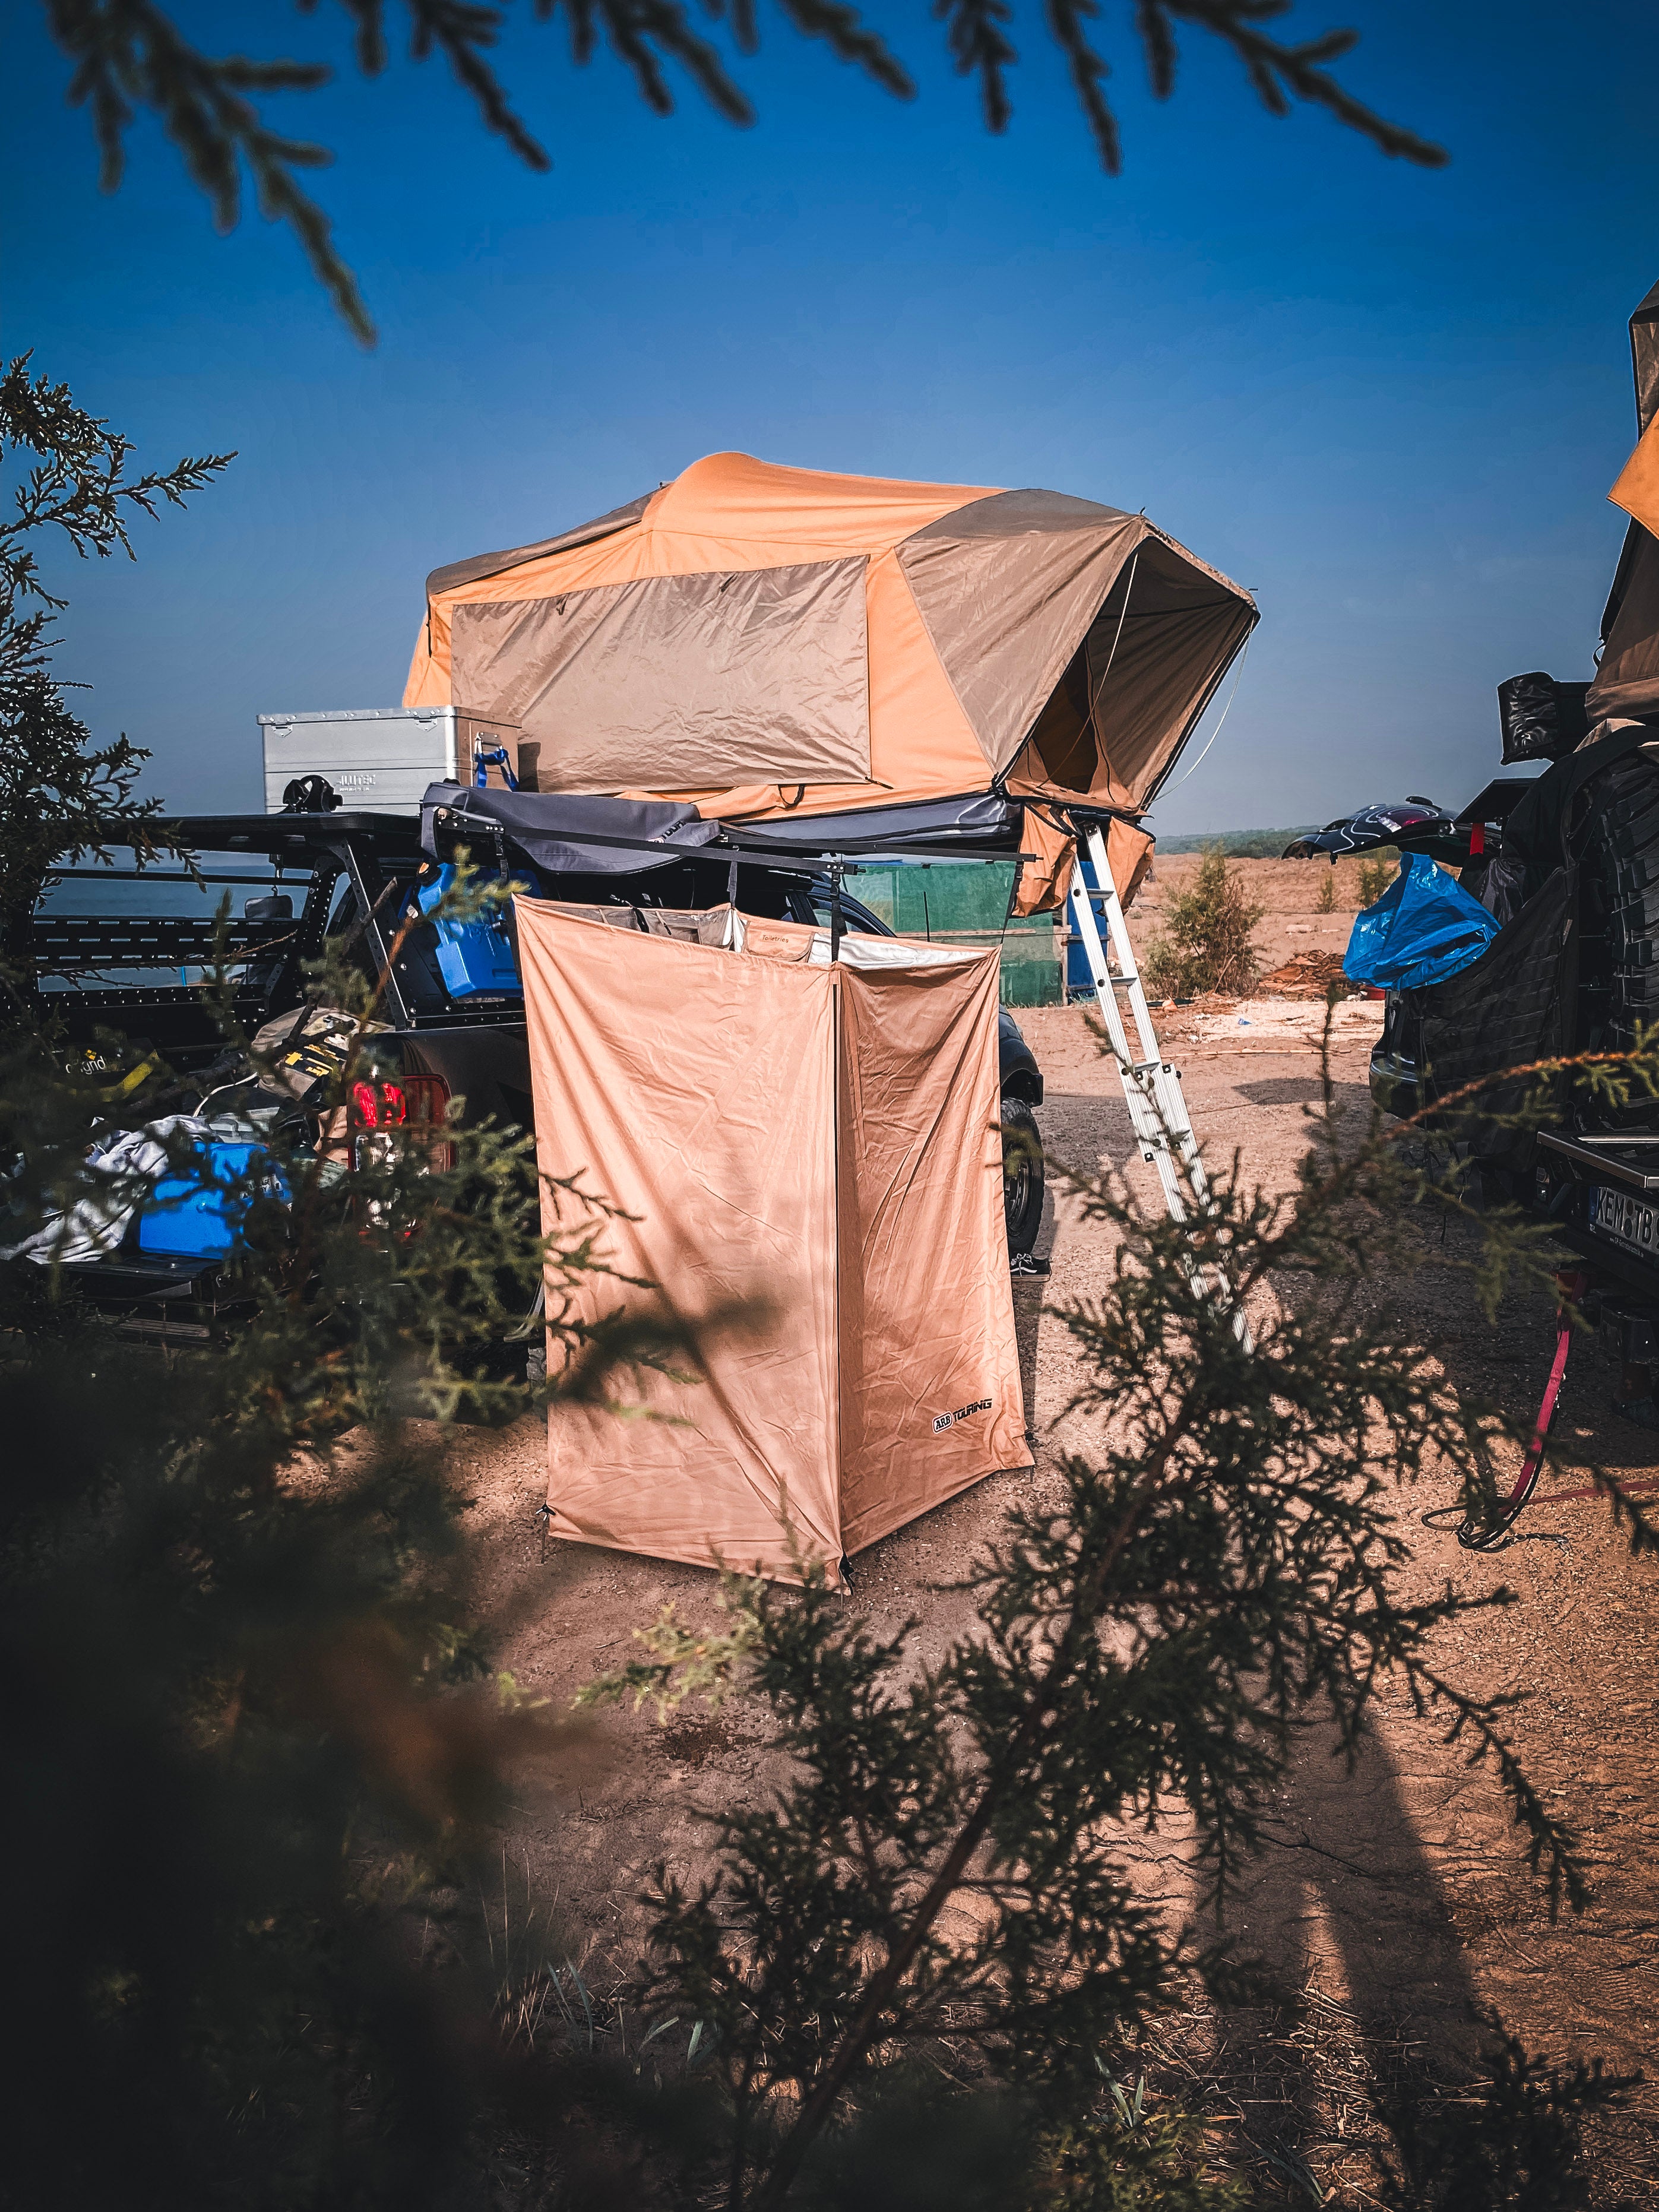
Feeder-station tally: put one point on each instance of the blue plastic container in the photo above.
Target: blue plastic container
(473, 957)
(187, 1218)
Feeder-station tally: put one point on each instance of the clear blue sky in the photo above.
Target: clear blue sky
(1389, 401)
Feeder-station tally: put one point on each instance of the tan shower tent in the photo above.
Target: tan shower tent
(768, 642)
(807, 1158)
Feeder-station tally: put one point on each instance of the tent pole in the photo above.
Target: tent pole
(1157, 1105)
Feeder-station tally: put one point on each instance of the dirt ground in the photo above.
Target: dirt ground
(1398, 1903)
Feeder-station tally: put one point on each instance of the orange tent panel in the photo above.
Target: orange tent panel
(807, 1160)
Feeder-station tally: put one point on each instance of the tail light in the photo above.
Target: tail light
(411, 1108)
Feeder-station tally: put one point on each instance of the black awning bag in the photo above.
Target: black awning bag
(549, 826)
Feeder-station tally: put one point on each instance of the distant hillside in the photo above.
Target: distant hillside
(1240, 844)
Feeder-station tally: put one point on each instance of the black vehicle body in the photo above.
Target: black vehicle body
(1569, 865)
(342, 875)
(1413, 823)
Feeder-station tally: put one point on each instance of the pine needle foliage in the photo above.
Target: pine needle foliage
(252, 1744)
(132, 56)
(61, 796)
(1207, 944)
(945, 1869)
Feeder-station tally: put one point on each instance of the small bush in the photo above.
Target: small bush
(1207, 946)
(1377, 874)
(1326, 902)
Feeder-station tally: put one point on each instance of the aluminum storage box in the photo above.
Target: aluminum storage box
(382, 758)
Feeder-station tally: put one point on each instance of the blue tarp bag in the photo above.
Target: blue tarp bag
(1423, 929)
(191, 1218)
(473, 957)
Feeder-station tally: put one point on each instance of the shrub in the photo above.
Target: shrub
(1377, 873)
(945, 1870)
(1207, 944)
(1326, 902)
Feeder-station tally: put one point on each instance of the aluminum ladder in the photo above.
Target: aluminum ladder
(1157, 1105)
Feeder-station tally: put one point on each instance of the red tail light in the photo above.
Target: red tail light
(418, 1105)
(413, 1101)
(379, 1105)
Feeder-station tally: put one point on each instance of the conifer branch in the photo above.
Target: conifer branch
(130, 55)
(1278, 73)
(980, 48)
(1087, 69)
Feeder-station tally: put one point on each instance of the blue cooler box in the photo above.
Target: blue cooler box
(187, 1219)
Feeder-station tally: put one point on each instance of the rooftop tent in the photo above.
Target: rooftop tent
(765, 642)
(817, 1144)
(1626, 682)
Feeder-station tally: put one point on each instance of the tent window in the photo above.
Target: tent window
(681, 682)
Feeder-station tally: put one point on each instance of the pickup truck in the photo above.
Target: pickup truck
(119, 952)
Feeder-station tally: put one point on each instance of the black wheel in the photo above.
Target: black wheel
(1022, 1175)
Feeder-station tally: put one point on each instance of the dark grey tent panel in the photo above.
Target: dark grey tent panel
(550, 826)
(979, 820)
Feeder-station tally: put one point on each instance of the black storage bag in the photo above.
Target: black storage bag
(1541, 719)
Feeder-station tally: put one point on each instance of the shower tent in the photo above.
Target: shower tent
(807, 1159)
(771, 643)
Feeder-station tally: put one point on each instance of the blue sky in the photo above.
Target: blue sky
(1389, 401)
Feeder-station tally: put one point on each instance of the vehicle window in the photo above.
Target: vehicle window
(104, 925)
(811, 905)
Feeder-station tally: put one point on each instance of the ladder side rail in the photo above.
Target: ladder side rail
(1139, 1080)
(1162, 1083)
(1100, 974)
(1127, 967)
(1158, 1103)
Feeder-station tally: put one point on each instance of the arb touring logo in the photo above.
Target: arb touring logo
(949, 1420)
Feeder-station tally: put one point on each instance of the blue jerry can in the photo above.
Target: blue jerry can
(473, 957)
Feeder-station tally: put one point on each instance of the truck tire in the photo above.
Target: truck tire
(1022, 1175)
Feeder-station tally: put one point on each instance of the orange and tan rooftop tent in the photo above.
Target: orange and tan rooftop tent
(768, 642)
(1627, 680)
(818, 1146)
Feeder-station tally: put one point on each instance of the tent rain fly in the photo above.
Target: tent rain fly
(763, 642)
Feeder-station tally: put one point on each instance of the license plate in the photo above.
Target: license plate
(1625, 1217)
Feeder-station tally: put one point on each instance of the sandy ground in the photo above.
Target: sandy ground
(1398, 1902)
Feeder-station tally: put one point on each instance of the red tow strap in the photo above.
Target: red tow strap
(1473, 1537)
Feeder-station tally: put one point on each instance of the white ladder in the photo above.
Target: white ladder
(1157, 1105)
